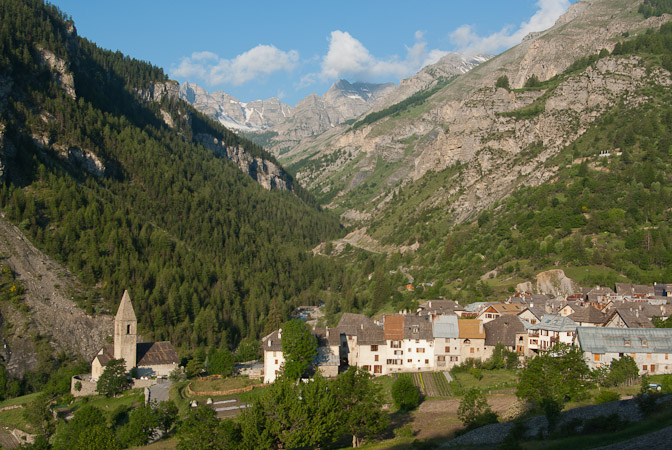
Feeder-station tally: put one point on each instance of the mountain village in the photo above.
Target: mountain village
(605, 323)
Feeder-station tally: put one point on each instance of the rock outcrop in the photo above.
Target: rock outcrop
(156, 91)
(266, 173)
(61, 71)
(551, 282)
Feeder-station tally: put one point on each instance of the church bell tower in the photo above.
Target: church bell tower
(126, 332)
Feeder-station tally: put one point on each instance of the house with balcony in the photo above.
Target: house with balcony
(552, 329)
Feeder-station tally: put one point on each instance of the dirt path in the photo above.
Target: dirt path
(49, 287)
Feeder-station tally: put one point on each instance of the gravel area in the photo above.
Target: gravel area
(495, 433)
(657, 439)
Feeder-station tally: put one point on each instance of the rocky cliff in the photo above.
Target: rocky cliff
(231, 112)
(311, 116)
(268, 174)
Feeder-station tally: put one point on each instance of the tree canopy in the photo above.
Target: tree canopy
(299, 347)
(114, 379)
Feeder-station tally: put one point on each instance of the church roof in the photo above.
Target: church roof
(156, 353)
(125, 311)
(105, 354)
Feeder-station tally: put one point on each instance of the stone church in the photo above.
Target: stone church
(152, 359)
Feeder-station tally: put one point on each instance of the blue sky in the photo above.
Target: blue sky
(261, 49)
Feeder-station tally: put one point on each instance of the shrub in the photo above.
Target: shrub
(405, 394)
(533, 82)
(476, 373)
(502, 82)
(606, 397)
(405, 431)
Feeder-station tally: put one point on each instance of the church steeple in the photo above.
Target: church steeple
(126, 332)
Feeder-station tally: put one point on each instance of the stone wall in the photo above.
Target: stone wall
(89, 386)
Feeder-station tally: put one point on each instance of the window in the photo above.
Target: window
(374, 348)
(597, 357)
(417, 341)
(448, 350)
(395, 344)
(409, 360)
(409, 350)
(627, 342)
(427, 362)
(645, 367)
(375, 357)
(367, 368)
(276, 362)
(377, 369)
(471, 350)
(421, 350)
(666, 354)
(441, 358)
(128, 329)
(645, 343)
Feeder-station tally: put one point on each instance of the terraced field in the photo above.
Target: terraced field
(431, 384)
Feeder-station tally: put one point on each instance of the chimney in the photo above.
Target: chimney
(430, 303)
(327, 331)
(280, 333)
(636, 313)
(361, 326)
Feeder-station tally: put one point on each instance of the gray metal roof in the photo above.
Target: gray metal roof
(446, 327)
(476, 306)
(554, 322)
(625, 340)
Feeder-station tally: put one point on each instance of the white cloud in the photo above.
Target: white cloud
(467, 41)
(348, 58)
(258, 61)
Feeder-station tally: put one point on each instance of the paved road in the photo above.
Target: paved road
(159, 392)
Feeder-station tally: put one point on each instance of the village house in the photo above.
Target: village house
(496, 310)
(435, 308)
(649, 347)
(552, 329)
(568, 308)
(411, 338)
(507, 330)
(588, 317)
(351, 328)
(273, 356)
(327, 360)
(446, 342)
(472, 339)
(532, 314)
(626, 318)
(598, 294)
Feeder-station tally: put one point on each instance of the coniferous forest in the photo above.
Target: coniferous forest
(203, 248)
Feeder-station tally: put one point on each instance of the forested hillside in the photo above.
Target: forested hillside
(118, 189)
(607, 208)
